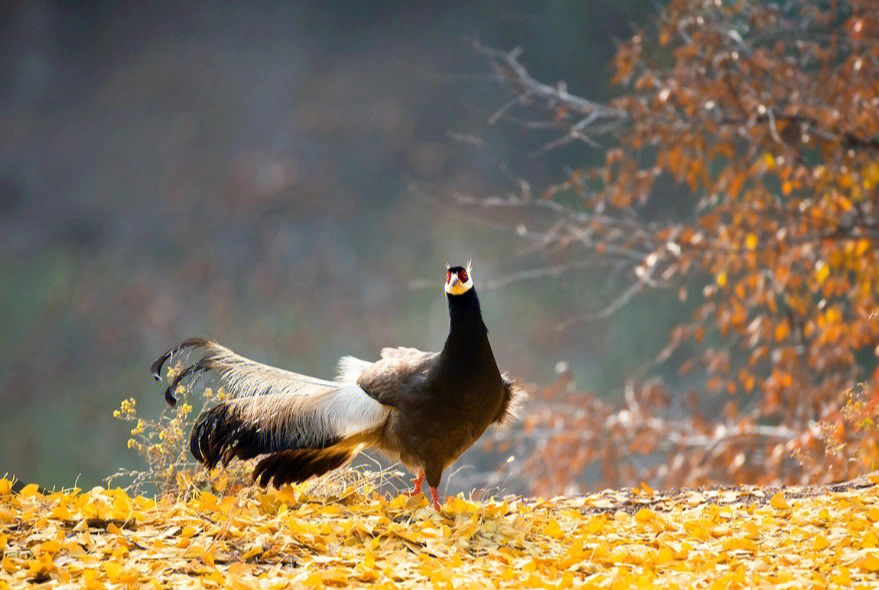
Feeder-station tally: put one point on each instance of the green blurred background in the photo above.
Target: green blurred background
(275, 176)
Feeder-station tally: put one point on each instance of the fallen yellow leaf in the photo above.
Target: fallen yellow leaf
(870, 562)
(29, 490)
(553, 530)
(778, 501)
(113, 570)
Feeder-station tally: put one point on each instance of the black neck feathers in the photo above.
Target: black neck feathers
(465, 314)
(466, 350)
(466, 364)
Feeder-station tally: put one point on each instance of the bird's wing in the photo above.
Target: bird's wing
(307, 425)
(393, 376)
(514, 397)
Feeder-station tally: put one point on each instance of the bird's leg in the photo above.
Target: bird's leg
(435, 496)
(419, 479)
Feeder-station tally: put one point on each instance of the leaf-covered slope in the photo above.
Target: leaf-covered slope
(750, 537)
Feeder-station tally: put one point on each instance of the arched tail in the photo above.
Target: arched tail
(306, 426)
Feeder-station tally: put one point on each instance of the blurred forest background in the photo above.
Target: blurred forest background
(290, 178)
(244, 172)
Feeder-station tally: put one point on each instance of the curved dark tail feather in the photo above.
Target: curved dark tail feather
(204, 364)
(220, 434)
(169, 398)
(156, 367)
(297, 465)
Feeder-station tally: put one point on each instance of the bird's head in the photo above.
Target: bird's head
(458, 279)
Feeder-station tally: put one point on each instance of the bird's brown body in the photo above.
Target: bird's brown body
(423, 409)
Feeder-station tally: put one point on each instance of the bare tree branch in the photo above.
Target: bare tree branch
(598, 119)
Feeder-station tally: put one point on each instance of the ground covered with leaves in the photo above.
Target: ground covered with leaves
(303, 536)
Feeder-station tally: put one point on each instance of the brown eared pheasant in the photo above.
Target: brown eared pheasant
(420, 408)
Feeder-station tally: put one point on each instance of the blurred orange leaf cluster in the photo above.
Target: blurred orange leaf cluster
(743, 166)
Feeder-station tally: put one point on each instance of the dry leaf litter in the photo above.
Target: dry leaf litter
(295, 537)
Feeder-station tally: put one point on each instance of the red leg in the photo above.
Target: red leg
(435, 495)
(419, 479)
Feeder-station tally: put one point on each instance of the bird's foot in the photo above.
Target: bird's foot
(417, 483)
(434, 495)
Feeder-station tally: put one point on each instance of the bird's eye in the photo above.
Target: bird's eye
(462, 274)
(448, 276)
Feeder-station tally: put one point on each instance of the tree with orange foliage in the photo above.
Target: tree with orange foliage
(764, 119)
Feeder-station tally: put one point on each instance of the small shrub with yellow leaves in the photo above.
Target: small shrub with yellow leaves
(164, 444)
(855, 435)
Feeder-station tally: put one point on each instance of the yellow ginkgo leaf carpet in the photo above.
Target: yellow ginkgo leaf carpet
(743, 537)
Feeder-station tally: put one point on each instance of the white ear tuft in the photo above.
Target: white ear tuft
(469, 265)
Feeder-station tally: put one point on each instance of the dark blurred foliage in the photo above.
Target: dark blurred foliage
(245, 172)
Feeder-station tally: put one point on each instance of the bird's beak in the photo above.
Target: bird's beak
(454, 280)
